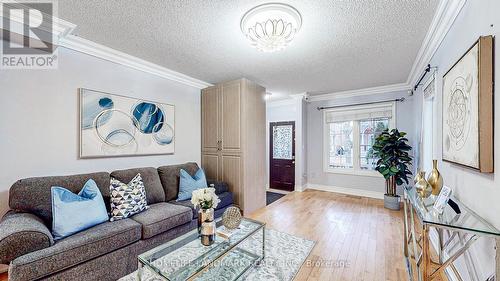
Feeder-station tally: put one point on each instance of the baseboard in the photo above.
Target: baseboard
(299, 188)
(346, 190)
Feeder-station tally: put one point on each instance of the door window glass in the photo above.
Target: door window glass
(282, 142)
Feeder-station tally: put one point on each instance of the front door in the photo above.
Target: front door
(282, 155)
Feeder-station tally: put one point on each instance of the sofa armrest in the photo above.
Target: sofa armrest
(220, 187)
(22, 233)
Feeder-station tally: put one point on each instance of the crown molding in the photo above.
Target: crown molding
(61, 33)
(282, 102)
(446, 13)
(300, 96)
(97, 50)
(361, 92)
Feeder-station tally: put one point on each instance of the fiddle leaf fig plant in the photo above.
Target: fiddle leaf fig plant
(392, 150)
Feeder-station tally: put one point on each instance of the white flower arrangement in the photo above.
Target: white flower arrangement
(205, 198)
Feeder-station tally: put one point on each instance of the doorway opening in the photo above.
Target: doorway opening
(282, 155)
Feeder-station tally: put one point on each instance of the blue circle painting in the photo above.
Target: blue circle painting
(149, 117)
(92, 107)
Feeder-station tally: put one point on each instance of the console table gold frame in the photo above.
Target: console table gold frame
(467, 226)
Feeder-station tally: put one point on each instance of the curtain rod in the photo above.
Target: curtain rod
(364, 103)
(427, 70)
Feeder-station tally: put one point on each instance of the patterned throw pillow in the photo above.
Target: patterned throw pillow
(127, 199)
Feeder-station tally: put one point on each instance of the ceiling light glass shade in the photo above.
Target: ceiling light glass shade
(271, 27)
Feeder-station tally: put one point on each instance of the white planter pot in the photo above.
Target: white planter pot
(391, 202)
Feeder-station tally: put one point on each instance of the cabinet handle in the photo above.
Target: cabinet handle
(219, 145)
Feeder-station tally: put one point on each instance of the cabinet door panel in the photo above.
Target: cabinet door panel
(209, 118)
(211, 165)
(231, 174)
(231, 116)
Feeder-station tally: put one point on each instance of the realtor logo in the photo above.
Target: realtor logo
(27, 35)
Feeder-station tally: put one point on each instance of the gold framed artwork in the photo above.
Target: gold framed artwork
(468, 108)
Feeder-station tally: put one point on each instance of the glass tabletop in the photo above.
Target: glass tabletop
(185, 256)
(466, 220)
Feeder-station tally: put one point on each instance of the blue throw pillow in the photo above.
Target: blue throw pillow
(188, 184)
(72, 213)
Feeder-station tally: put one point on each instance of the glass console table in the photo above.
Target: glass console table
(465, 227)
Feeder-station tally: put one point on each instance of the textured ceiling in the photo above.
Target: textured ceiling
(343, 44)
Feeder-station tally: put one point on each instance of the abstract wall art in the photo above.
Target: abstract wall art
(113, 125)
(468, 108)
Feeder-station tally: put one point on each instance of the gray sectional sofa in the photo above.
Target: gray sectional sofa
(107, 251)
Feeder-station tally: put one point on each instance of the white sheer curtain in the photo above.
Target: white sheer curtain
(428, 125)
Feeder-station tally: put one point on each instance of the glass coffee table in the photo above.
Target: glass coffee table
(185, 258)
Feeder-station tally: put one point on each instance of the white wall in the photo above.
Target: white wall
(480, 192)
(39, 118)
(365, 184)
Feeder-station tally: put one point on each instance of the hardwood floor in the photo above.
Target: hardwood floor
(357, 239)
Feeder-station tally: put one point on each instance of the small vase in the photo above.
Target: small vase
(435, 179)
(417, 177)
(424, 189)
(206, 226)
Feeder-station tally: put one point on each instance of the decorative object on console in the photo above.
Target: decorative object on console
(207, 201)
(231, 218)
(468, 108)
(442, 199)
(188, 184)
(72, 213)
(112, 125)
(435, 179)
(391, 148)
(127, 199)
(417, 176)
(424, 189)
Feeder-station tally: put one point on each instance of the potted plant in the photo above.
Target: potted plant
(391, 148)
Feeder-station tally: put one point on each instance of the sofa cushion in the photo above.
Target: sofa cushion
(76, 212)
(188, 184)
(150, 178)
(127, 199)
(169, 176)
(32, 195)
(22, 233)
(161, 217)
(78, 248)
(226, 199)
(220, 186)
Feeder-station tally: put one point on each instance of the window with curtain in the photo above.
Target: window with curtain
(349, 135)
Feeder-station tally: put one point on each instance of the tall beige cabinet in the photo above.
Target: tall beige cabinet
(234, 139)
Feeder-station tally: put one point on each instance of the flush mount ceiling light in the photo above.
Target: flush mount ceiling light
(271, 27)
